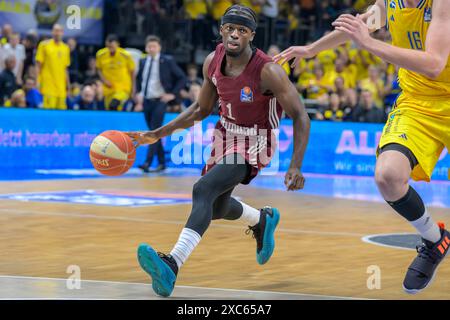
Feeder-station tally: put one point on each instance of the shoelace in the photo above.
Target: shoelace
(256, 234)
(164, 256)
(426, 253)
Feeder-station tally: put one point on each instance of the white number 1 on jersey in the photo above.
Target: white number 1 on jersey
(230, 115)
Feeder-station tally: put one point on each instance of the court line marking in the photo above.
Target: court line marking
(175, 222)
(367, 239)
(186, 287)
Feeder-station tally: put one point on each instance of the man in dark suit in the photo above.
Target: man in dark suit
(159, 81)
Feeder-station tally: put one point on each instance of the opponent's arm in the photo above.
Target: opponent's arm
(197, 111)
(430, 62)
(377, 13)
(275, 80)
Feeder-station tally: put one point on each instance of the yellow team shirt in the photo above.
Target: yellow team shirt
(316, 87)
(347, 75)
(327, 59)
(409, 27)
(248, 3)
(55, 59)
(116, 69)
(374, 88)
(195, 8)
(358, 58)
(219, 7)
(305, 72)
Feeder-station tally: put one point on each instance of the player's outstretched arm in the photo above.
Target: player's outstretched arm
(198, 111)
(430, 62)
(275, 80)
(377, 14)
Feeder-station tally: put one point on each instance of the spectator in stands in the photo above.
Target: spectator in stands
(333, 112)
(53, 60)
(30, 44)
(32, 95)
(273, 51)
(2, 58)
(374, 84)
(74, 69)
(270, 12)
(14, 47)
(116, 70)
(192, 95)
(86, 100)
(99, 93)
(192, 78)
(7, 31)
(159, 81)
(8, 82)
(17, 100)
(347, 96)
(367, 111)
(319, 86)
(91, 72)
(196, 12)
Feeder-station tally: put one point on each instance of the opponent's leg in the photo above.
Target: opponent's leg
(393, 170)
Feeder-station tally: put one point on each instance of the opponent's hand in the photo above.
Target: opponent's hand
(296, 52)
(355, 27)
(294, 180)
(142, 137)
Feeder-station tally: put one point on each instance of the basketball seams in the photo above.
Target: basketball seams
(124, 165)
(128, 151)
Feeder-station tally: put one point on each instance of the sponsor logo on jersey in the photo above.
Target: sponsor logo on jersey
(427, 14)
(392, 18)
(246, 94)
(392, 4)
(214, 80)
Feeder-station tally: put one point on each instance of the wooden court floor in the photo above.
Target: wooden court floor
(318, 243)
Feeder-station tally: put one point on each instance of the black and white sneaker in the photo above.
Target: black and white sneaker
(422, 270)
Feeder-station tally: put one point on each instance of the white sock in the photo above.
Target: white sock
(249, 214)
(186, 243)
(427, 228)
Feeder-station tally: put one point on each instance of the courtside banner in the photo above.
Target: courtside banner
(82, 19)
(50, 139)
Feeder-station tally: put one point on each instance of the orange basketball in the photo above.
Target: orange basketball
(112, 153)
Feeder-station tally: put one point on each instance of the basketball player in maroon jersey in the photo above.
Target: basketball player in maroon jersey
(252, 92)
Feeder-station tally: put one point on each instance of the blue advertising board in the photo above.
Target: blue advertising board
(51, 139)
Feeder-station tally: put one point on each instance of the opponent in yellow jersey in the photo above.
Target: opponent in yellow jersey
(422, 112)
(53, 59)
(418, 128)
(116, 68)
(409, 28)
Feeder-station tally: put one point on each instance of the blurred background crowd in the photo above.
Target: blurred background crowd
(56, 72)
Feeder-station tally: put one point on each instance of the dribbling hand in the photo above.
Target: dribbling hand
(142, 137)
(294, 180)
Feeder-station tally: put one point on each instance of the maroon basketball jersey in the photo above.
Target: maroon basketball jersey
(247, 116)
(240, 98)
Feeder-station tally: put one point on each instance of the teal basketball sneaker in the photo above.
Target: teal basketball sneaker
(162, 269)
(263, 232)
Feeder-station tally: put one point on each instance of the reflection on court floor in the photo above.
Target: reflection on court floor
(51, 288)
(330, 234)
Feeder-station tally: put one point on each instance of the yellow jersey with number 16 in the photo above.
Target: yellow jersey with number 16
(409, 27)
